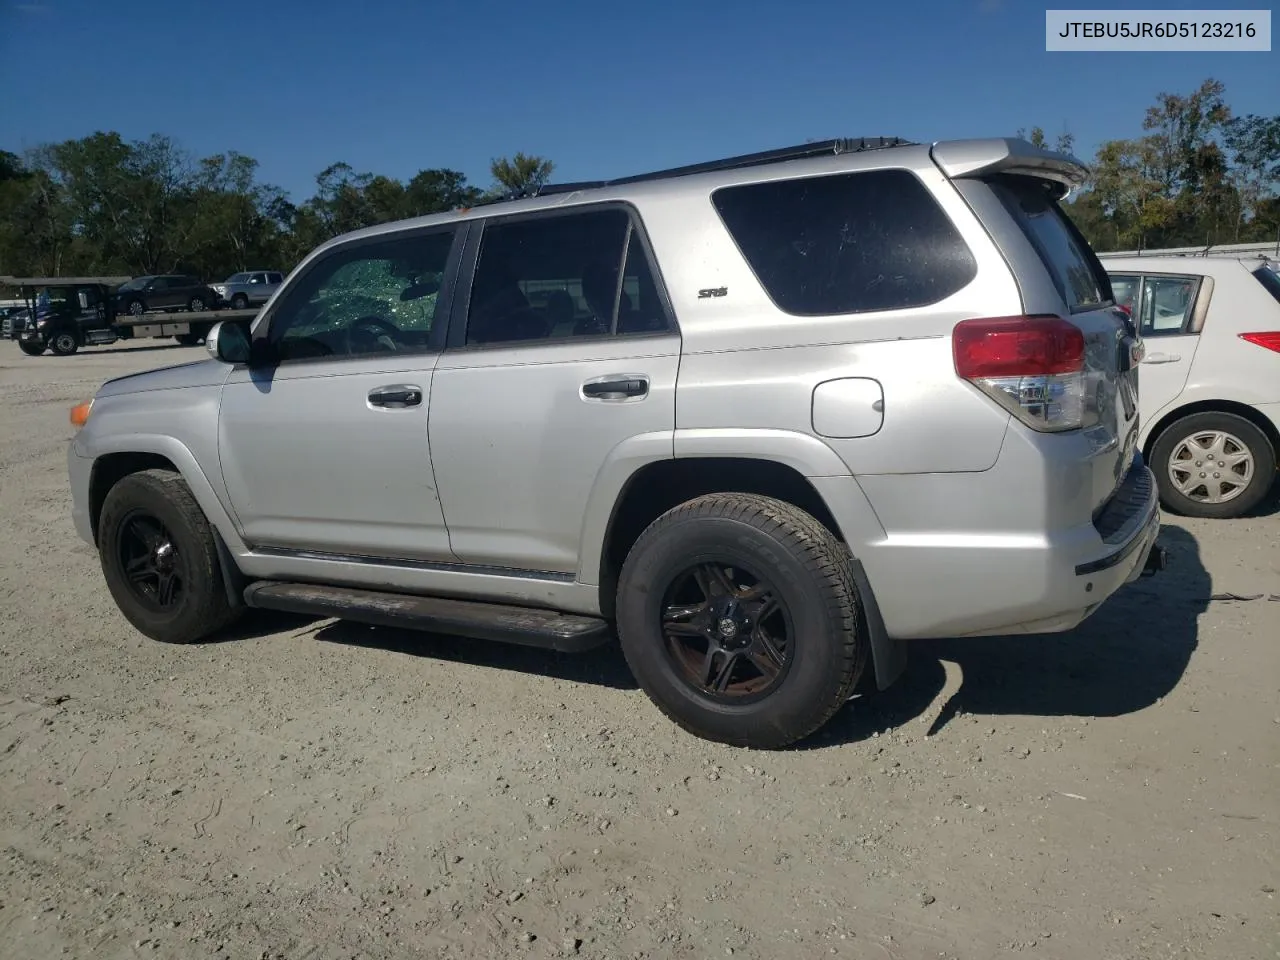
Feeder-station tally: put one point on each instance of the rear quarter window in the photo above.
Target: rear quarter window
(847, 243)
(1269, 277)
(1071, 262)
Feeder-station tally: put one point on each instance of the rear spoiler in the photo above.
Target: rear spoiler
(984, 158)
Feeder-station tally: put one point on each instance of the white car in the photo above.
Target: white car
(1209, 383)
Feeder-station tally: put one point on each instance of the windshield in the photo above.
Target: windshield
(238, 278)
(137, 283)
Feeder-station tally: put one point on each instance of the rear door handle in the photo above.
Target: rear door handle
(395, 397)
(1161, 358)
(616, 388)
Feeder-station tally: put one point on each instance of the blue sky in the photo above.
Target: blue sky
(393, 86)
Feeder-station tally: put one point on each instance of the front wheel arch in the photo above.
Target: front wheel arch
(110, 469)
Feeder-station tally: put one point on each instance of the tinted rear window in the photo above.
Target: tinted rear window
(1076, 271)
(847, 243)
(1269, 278)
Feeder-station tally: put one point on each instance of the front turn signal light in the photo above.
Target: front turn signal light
(80, 413)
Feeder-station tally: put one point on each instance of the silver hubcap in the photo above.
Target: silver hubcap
(1211, 467)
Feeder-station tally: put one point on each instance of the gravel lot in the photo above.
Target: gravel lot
(324, 790)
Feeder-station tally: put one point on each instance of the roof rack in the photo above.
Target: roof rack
(821, 148)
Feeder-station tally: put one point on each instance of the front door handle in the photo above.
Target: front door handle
(396, 397)
(616, 388)
(1161, 358)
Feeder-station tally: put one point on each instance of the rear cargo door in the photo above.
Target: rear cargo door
(1112, 343)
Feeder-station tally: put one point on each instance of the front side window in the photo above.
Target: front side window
(364, 300)
(566, 275)
(1167, 303)
(847, 243)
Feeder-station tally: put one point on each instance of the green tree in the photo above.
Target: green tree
(520, 172)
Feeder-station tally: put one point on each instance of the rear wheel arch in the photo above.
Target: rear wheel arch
(1243, 410)
(661, 485)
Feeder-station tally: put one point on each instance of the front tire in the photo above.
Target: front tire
(196, 304)
(64, 344)
(239, 302)
(737, 614)
(136, 308)
(31, 348)
(160, 559)
(1213, 465)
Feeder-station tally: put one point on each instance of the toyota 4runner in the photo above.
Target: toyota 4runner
(765, 419)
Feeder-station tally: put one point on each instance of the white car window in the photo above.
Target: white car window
(1166, 303)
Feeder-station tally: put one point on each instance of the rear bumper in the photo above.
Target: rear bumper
(943, 569)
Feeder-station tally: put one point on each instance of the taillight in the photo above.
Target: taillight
(1269, 340)
(1032, 366)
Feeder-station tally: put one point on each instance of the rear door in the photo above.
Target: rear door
(565, 350)
(169, 293)
(1167, 309)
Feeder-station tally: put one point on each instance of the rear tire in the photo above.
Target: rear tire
(31, 349)
(1239, 474)
(160, 559)
(706, 683)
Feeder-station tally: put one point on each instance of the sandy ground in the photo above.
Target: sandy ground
(324, 790)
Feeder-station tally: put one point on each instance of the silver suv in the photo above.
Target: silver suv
(765, 419)
(251, 287)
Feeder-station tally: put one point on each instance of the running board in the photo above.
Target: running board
(527, 626)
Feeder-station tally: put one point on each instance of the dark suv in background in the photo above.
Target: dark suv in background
(168, 292)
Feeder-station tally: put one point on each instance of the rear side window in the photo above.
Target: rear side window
(1076, 271)
(1269, 278)
(847, 243)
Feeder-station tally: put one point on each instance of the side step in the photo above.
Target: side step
(528, 626)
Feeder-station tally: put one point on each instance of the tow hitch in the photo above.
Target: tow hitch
(1157, 560)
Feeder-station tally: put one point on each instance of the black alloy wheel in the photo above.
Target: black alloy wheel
(727, 632)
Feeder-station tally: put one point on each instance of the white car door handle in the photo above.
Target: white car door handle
(1161, 358)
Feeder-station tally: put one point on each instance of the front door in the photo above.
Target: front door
(327, 451)
(564, 350)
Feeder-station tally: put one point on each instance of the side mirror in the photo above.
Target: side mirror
(228, 342)
(419, 290)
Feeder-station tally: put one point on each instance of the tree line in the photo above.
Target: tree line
(1195, 174)
(101, 205)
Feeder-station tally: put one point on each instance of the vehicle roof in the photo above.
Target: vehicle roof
(1211, 265)
(956, 158)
